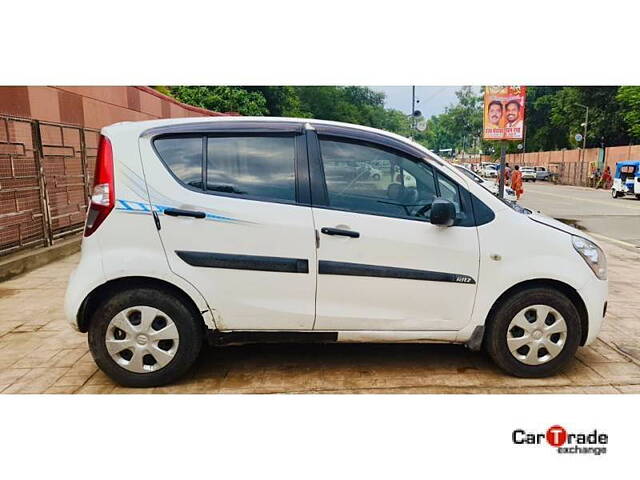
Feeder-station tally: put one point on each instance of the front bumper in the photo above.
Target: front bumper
(594, 295)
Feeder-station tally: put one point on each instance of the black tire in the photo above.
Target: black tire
(190, 330)
(496, 335)
(376, 177)
(615, 193)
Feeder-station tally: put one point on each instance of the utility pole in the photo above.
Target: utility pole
(503, 158)
(584, 137)
(413, 109)
(524, 142)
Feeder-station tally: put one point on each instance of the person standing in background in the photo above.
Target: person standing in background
(606, 178)
(516, 182)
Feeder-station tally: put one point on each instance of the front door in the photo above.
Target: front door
(232, 222)
(382, 265)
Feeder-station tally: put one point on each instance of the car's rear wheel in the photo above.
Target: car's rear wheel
(144, 337)
(534, 333)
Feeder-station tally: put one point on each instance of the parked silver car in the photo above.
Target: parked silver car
(528, 173)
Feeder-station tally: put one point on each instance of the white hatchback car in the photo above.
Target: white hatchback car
(234, 229)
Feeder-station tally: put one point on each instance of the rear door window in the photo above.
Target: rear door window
(262, 167)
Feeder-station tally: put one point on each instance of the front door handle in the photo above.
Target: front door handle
(176, 212)
(339, 231)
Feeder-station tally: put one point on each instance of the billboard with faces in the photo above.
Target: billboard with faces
(504, 113)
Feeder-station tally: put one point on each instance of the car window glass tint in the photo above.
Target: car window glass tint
(364, 178)
(449, 191)
(252, 166)
(183, 156)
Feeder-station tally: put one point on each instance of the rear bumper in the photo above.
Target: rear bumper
(594, 294)
(87, 276)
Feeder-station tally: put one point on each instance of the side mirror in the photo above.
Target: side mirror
(443, 212)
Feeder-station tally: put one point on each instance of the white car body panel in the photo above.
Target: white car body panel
(498, 255)
(238, 226)
(346, 302)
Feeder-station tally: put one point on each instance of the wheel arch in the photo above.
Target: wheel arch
(102, 292)
(565, 288)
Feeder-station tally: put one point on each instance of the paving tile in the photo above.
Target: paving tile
(628, 388)
(100, 378)
(93, 389)
(36, 358)
(67, 357)
(71, 380)
(61, 389)
(619, 373)
(12, 375)
(37, 380)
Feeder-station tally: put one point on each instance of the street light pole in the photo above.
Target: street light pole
(584, 138)
(413, 109)
(586, 122)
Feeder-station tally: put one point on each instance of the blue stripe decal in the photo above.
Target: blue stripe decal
(132, 206)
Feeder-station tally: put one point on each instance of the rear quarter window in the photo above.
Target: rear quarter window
(183, 157)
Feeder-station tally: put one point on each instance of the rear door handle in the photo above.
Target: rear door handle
(176, 212)
(338, 231)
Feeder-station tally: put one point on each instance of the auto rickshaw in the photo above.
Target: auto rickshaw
(627, 179)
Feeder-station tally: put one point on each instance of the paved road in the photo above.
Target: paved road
(593, 210)
(39, 353)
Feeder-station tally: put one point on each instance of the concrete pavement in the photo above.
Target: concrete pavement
(39, 353)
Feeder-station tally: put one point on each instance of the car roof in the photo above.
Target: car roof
(167, 122)
(629, 162)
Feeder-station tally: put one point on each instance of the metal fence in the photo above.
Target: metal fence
(571, 173)
(46, 170)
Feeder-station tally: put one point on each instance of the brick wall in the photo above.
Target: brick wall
(48, 144)
(93, 107)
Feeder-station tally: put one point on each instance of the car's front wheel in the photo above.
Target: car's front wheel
(144, 337)
(535, 333)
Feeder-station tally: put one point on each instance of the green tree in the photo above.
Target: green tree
(605, 124)
(459, 127)
(222, 99)
(281, 101)
(629, 99)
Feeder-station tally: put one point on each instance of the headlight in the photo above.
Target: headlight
(592, 255)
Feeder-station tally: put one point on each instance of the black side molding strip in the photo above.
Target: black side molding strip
(360, 270)
(217, 337)
(244, 262)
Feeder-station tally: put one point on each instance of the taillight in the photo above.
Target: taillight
(103, 196)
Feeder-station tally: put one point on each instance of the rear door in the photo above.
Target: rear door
(235, 220)
(382, 264)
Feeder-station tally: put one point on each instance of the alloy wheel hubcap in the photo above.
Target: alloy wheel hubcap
(142, 339)
(536, 335)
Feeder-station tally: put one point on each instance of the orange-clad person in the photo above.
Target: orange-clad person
(516, 182)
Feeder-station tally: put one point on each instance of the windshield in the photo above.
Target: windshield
(514, 206)
(471, 175)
